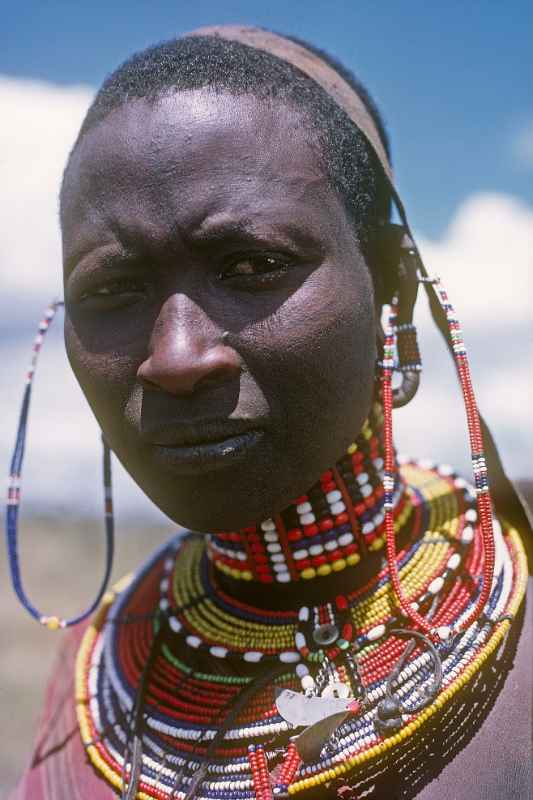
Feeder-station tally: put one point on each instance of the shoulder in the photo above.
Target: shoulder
(495, 761)
(479, 746)
(57, 767)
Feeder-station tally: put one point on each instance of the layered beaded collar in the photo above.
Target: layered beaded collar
(184, 691)
(335, 525)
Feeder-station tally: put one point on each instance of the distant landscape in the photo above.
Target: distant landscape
(62, 561)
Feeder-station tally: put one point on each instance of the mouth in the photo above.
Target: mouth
(203, 448)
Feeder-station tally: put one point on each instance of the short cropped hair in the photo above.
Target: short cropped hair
(208, 61)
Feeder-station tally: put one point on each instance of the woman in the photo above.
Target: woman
(340, 625)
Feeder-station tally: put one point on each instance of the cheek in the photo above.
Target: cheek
(319, 349)
(329, 326)
(106, 376)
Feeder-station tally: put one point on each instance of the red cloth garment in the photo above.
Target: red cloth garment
(59, 768)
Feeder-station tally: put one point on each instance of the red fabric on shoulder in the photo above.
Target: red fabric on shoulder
(59, 768)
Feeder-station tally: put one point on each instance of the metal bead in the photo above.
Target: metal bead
(389, 708)
(326, 634)
(388, 726)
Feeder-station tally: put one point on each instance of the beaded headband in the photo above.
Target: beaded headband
(315, 68)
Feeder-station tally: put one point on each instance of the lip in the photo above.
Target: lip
(206, 456)
(184, 433)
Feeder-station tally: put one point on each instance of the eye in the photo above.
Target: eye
(112, 293)
(257, 267)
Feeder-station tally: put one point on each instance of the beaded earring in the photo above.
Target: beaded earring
(13, 497)
(399, 263)
(408, 362)
(484, 504)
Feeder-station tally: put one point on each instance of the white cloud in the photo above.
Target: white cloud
(484, 258)
(40, 122)
(522, 145)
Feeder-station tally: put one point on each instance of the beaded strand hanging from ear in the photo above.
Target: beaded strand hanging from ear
(484, 506)
(13, 497)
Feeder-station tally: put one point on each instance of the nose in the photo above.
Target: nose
(187, 353)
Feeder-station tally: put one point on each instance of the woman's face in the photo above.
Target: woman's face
(186, 218)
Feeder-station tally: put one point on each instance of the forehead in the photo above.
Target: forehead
(153, 168)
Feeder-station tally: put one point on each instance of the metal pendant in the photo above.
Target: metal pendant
(321, 715)
(336, 689)
(325, 635)
(299, 710)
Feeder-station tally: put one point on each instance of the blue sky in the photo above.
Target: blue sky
(451, 78)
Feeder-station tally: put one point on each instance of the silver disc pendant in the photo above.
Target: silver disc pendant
(326, 634)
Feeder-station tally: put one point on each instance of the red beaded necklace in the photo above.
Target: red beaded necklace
(335, 525)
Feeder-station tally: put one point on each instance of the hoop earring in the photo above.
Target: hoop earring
(404, 343)
(13, 498)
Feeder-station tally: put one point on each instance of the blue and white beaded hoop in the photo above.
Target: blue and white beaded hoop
(13, 497)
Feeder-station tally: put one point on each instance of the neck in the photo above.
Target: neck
(330, 536)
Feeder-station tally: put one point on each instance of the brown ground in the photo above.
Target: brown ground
(62, 563)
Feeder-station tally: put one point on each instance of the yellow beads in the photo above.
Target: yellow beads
(339, 565)
(367, 430)
(308, 573)
(52, 623)
(238, 574)
(377, 544)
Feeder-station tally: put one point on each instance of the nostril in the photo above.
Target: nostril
(213, 378)
(146, 383)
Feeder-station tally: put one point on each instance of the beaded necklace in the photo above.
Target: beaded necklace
(332, 527)
(349, 652)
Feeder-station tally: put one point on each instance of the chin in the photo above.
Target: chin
(219, 499)
(225, 500)
(208, 514)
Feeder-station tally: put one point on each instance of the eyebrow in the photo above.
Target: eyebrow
(205, 234)
(222, 229)
(106, 260)
(209, 232)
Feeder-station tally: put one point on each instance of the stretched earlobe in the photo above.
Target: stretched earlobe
(400, 261)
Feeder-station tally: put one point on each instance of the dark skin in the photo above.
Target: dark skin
(183, 219)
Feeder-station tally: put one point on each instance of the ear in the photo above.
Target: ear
(397, 261)
(387, 259)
